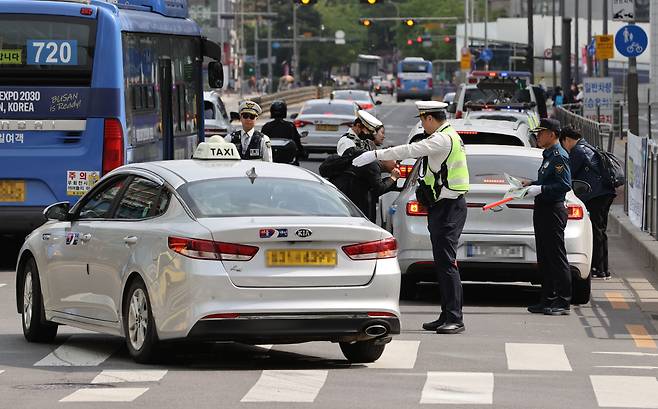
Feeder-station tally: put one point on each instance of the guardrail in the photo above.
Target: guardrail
(650, 223)
(293, 96)
(593, 132)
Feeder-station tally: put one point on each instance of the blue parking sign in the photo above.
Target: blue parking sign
(631, 41)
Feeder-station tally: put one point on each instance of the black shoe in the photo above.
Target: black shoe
(601, 275)
(557, 310)
(432, 326)
(537, 308)
(450, 328)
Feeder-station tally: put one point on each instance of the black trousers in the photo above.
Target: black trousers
(549, 220)
(598, 208)
(445, 221)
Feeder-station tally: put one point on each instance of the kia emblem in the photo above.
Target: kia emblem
(303, 233)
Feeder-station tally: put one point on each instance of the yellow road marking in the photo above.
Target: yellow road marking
(616, 299)
(641, 336)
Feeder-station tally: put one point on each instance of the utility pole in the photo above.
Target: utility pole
(530, 56)
(242, 50)
(633, 103)
(604, 63)
(269, 49)
(553, 50)
(577, 45)
(295, 52)
(590, 64)
(486, 32)
(565, 60)
(466, 2)
(256, 63)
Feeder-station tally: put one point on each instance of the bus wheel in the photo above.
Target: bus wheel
(400, 99)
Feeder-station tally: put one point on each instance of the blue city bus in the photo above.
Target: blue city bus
(87, 86)
(414, 79)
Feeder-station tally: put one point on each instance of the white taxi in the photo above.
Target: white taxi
(212, 248)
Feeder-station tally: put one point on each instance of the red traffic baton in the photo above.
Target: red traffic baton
(498, 203)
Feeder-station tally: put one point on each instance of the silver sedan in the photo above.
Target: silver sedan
(245, 251)
(326, 121)
(497, 245)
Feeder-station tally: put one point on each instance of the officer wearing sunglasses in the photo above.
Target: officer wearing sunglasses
(251, 143)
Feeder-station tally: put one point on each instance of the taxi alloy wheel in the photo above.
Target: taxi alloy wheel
(362, 351)
(139, 326)
(34, 328)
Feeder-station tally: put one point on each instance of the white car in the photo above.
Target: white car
(471, 93)
(509, 115)
(219, 250)
(216, 119)
(484, 131)
(496, 245)
(325, 121)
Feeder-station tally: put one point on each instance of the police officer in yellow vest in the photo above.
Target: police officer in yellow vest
(443, 181)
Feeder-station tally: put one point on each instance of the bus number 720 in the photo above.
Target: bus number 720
(52, 52)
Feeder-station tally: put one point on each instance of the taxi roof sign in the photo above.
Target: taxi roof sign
(216, 148)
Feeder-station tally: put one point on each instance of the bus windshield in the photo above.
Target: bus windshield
(48, 50)
(416, 66)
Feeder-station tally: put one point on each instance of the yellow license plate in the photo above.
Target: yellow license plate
(321, 127)
(293, 258)
(12, 190)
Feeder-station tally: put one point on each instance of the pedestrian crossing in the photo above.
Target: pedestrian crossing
(125, 381)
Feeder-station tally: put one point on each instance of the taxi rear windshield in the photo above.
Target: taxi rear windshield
(238, 197)
(47, 50)
(491, 169)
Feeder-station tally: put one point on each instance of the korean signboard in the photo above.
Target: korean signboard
(598, 92)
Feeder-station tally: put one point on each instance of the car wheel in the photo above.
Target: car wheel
(138, 324)
(400, 99)
(34, 328)
(362, 351)
(580, 289)
(408, 288)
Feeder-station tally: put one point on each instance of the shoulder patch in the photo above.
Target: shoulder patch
(559, 168)
(268, 144)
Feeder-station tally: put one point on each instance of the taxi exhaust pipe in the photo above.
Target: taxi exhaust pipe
(375, 331)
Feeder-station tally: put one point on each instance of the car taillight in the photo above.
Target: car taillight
(397, 82)
(459, 114)
(575, 212)
(112, 145)
(467, 132)
(300, 123)
(380, 314)
(372, 250)
(211, 250)
(366, 106)
(430, 82)
(405, 170)
(414, 208)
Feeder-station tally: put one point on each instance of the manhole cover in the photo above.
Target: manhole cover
(62, 385)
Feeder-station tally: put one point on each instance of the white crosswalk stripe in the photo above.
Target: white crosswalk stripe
(398, 355)
(536, 357)
(105, 395)
(458, 388)
(287, 386)
(2, 285)
(119, 376)
(75, 352)
(2, 371)
(625, 391)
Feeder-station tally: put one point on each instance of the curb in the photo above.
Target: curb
(643, 243)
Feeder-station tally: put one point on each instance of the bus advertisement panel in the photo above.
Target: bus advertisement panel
(86, 87)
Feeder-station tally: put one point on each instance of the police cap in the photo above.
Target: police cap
(430, 107)
(547, 124)
(369, 121)
(250, 107)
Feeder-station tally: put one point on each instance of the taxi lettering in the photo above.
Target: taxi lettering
(222, 151)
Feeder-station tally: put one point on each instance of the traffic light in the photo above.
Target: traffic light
(370, 2)
(410, 42)
(306, 2)
(419, 39)
(409, 22)
(447, 39)
(366, 22)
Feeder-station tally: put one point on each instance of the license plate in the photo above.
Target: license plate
(12, 190)
(324, 127)
(481, 250)
(293, 258)
(414, 88)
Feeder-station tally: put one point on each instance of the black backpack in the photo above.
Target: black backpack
(612, 170)
(335, 165)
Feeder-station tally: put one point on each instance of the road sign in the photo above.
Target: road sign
(604, 47)
(631, 41)
(623, 10)
(598, 92)
(591, 48)
(276, 45)
(486, 55)
(340, 37)
(465, 63)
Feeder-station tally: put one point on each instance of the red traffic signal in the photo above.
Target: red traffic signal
(410, 42)
(447, 39)
(419, 39)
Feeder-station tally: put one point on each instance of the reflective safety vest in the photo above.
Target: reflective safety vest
(453, 174)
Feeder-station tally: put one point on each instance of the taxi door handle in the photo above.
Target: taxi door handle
(130, 239)
(86, 237)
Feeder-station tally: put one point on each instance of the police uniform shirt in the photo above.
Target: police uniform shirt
(245, 139)
(345, 142)
(554, 175)
(436, 147)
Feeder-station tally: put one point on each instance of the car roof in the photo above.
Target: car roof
(503, 150)
(330, 101)
(178, 172)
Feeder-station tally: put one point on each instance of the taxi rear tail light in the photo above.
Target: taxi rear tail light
(467, 132)
(211, 250)
(372, 250)
(380, 314)
(112, 145)
(300, 123)
(405, 170)
(366, 106)
(575, 212)
(414, 208)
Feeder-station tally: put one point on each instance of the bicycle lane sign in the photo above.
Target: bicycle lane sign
(631, 41)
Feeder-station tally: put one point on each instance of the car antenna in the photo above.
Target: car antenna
(251, 174)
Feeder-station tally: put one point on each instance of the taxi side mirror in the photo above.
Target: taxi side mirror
(452, 108)
(215, 74)
(378, 102)
(58, 211)
(293, 116)
(235, 116)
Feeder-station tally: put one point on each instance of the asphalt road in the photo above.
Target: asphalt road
(602, 355)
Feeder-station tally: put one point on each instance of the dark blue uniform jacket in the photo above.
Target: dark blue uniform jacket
(585, 165)
(554, 175)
